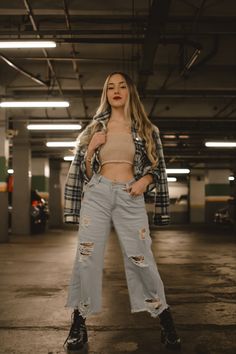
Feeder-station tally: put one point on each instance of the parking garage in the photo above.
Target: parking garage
(54, 58)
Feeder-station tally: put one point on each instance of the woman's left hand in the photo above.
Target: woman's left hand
(140, 186)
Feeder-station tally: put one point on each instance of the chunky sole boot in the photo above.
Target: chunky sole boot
(169, 336)
(77, 337)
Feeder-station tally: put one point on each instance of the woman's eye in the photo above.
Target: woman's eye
(123, 87)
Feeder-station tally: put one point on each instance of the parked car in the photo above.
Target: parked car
(222, 216)
(225, 215)
(39, 213)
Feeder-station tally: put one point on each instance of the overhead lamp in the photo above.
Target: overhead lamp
(61, 143)
(184, 136)
(10, 171)
(68, 158)
(27, 44)
(169, 136)
(177, 170)
(220, 144)
(28, 104)
(171, 179)
(170, 144)
(54, 126)
(231, 178)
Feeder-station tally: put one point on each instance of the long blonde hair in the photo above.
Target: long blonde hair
(134, 110)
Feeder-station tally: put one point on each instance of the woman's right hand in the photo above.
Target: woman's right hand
(99, 138)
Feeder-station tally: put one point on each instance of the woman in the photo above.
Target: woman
(118, 158)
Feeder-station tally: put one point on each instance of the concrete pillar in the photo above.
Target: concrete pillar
(3, 178)
(40, 176)
(55, 205)
(197, 196)
(21, 202)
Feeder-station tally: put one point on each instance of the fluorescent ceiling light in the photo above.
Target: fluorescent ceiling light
(27, 44)
(168, 136)
(170, 144)
(231, 178)
(61, 143)
(54, 127)
(39, 104)
(220, 144)
(177, 170)
(68, 158)
(171, 179)
(10, 171)
(184, 136)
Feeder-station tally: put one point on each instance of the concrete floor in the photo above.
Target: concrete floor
(196, 265)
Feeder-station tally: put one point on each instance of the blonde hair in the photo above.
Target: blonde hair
(134, 110)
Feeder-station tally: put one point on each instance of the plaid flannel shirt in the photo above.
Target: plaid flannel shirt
(77, 176)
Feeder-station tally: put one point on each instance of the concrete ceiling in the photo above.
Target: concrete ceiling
(153, 41)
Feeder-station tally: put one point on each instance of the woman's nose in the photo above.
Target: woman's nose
(117, 89)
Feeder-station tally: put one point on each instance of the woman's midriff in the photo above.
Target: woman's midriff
(118, 171)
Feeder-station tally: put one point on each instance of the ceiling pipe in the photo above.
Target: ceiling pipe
(35, 28)
(74, 62)
(191, 61)
(23, 72)
(77, 32)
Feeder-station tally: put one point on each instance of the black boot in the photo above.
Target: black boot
(169, 336)
(78, 333)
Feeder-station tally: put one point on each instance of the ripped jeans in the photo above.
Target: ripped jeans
(106, 202)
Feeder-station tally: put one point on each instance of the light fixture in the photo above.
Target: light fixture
(220, 144)
(171, 179)
(10, 171)
(169, 136)
(21, 104)
(184, 136)
(61, 143)
(177, 170)
(231, 178)
(54, 127)
(69, 158)
(27, 44)
(170, 144)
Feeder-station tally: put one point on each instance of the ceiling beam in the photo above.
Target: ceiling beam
(71, 92)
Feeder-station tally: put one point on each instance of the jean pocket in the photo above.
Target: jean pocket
(133, 197)
(90, 185)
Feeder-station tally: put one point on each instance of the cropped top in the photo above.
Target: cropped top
(119, 147)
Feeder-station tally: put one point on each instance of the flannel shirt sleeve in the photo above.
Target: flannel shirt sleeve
(73, 188)
(162, 201)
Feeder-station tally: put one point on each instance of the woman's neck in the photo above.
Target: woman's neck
(118, 114)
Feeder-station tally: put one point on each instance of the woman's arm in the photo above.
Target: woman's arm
(88, 158)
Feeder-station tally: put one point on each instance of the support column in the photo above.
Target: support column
(3, 178)
(55, 205)
(21, 202)
(197, 196)
(40, 176)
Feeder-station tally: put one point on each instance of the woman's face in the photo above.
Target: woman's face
(117, 91)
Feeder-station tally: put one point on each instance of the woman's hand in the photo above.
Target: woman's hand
(140, 186)
(98, 139)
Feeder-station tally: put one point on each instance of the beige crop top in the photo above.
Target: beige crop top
(119, 147)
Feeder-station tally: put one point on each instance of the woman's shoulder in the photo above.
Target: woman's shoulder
(155, 129)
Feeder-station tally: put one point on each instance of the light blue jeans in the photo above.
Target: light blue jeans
(105, 202)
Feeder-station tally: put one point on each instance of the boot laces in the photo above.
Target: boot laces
(77, 324)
